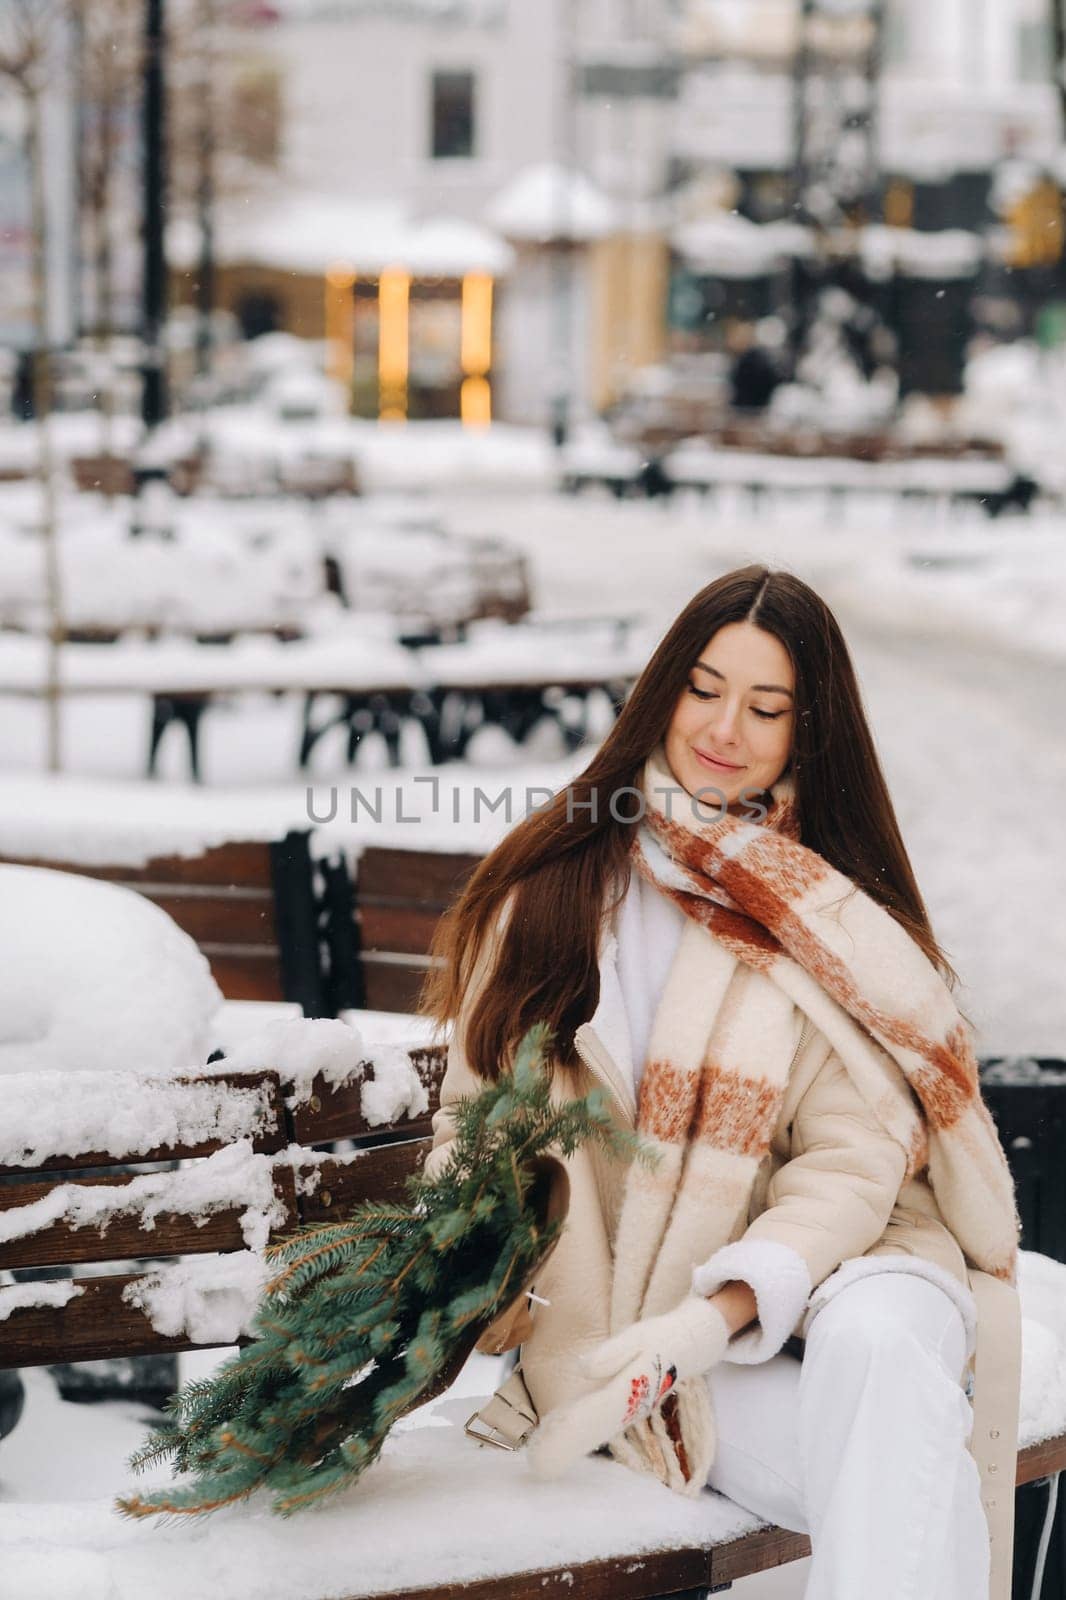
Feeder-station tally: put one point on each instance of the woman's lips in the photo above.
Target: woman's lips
(715, 766)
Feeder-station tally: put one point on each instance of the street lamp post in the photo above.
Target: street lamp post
(154, 291)
(205, 193)
(564, 265)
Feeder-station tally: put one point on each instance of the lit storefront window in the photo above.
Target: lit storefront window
(420, 347)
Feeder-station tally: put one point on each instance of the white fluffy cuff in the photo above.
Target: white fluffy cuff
(856, 1267)
(781, 1282)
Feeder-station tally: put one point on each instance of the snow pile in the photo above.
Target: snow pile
(732, 246)
(48, 1114)
(429, 1510)
(96, 978)
(302, 1049)
(95, 822)
(444, 455)
(299, 230)
(21, 1296)
(209, 1299)
(1042, 1288)
(233, 1176)
(1016, 393)
(395, 1090)
(198, 577)
(979, 590)
(943, 254)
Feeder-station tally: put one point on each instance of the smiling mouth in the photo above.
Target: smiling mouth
(713, 762)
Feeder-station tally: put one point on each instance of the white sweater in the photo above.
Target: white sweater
(647, 926)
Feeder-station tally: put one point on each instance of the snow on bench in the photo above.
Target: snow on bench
(436, 1512)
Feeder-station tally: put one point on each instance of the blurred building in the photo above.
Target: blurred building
(501, 208)
(464, 199)
(936, 192)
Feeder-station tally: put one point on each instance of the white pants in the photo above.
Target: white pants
(862, 1445)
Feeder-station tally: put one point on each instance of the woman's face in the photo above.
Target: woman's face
(732, 727)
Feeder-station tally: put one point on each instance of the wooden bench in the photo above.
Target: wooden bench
(102, 1318)
(253, 907)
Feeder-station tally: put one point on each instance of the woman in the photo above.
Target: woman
(719, 922)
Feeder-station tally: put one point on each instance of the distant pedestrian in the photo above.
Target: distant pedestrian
(755, 373)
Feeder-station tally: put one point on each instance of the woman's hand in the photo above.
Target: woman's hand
(640, 1366)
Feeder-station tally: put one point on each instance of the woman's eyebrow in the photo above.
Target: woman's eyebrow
(767, 688)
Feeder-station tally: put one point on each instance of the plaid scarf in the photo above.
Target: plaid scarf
(771, 926)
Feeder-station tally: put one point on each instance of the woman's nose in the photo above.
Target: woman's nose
(725, 724)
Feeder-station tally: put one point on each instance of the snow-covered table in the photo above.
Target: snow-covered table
(508, 675)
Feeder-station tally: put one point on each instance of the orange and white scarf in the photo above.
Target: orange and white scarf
(771, 925)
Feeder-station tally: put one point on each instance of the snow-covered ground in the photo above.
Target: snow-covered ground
(251, 445)
(958, 628)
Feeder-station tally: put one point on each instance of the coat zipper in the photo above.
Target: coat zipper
(603, 1068)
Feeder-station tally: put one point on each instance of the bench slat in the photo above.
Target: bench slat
(95, 1324)
(420, 878)
(633, 1577)
(174, 1233)
(221, 918)
(403, 929)
(243, 862)
(377, 1175)
(336, 1112)
(393, 985)
(246, 974)
(1038, 1460)
(646, 1576)
(272, 1135)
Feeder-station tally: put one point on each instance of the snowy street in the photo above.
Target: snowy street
(959, 636)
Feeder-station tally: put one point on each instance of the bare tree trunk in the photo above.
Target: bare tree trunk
(42, 404)
(104, 273)
(205, 197)
(1058, 50)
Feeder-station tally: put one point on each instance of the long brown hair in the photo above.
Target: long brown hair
(564, 868)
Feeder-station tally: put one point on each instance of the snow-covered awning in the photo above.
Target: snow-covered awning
(549, 202)
(946, 253)
(468, 13)
(735, 247)
(314, 233)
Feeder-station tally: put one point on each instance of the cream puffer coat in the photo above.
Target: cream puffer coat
(829, 1204)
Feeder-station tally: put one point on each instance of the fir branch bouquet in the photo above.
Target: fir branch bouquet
(369, 1317)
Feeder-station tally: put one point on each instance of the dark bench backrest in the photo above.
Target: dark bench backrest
(399, 898)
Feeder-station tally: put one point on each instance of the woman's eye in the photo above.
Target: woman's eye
(707, 694)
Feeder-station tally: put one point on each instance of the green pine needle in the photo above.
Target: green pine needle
(362, 1315)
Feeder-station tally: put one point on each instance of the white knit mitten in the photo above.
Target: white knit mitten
(641, 1365)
